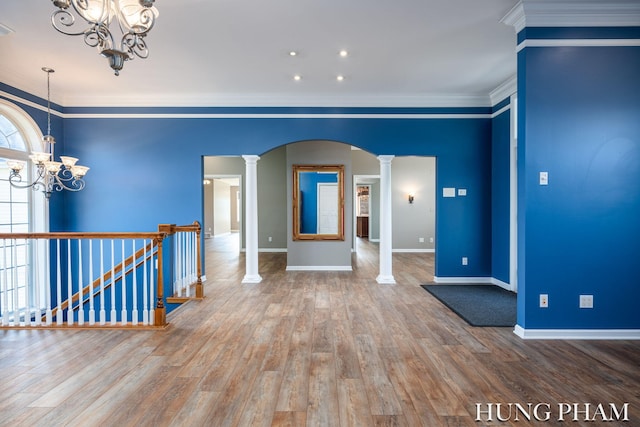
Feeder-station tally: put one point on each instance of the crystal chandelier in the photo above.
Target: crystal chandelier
(133, 18)
(50, 175)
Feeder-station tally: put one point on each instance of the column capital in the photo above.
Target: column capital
(385, 158)
(250, 158)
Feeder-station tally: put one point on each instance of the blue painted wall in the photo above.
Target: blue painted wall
(500, 195)
(159, 163)
(579, 120)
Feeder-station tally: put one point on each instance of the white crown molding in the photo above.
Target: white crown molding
(505, 90)
(28, 103)
(243, 100)
(276, 100)
(577, 334)
(578, 43)
(580, 13)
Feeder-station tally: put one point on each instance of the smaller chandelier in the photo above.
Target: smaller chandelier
(134, 19)
(50, 175)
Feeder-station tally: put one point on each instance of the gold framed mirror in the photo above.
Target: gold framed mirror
(318, 202)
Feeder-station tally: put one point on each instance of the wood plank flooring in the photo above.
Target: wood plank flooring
(306, 348)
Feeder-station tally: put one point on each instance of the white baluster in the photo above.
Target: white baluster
(92, 310)
(134, 291)
(177, 286)
(152, 288)
(80, 286)
(4, 285)
(37, 318)
(69, 285)
(145, 283)
(27, 294)
(58, 284)
(123, 312)
(113, 285)
(14, 276)
(47, 287)
(187, 266)
(103, 313)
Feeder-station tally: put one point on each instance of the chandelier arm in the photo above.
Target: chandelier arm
(58, 184)
(15, 179)
(62, 19)
(134, 44)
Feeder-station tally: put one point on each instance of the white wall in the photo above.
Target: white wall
(221, 207)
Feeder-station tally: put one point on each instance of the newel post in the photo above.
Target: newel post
(199, 289)
(160, 311)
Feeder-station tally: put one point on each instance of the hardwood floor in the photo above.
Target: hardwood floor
(307, 348)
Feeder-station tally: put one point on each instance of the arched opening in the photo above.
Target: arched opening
(274, 206)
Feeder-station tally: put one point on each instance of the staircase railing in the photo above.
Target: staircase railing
(49, 280)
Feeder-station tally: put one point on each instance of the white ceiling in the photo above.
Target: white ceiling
(236, 53)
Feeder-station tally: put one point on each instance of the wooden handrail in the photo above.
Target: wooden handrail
(156, 235)
(125, 267)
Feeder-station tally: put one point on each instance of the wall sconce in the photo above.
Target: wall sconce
(410, 198)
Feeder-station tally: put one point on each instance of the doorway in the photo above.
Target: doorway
(223, 209)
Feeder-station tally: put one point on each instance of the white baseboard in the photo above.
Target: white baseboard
(266, 250)
(462, 280)
(417, 251)
(503, 285)
(374, 240)
(319, 268)
(473, 280)
(577, 334)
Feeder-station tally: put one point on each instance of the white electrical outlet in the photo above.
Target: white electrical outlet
(544, 300)
(430, 239)
(465, 260)
(420, 239)
(270, 238)
(586, 301)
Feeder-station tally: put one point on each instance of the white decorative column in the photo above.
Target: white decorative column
(386, 275)
(251, 220)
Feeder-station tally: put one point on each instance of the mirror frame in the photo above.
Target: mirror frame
(296, 169)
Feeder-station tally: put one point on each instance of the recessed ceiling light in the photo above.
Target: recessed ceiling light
(340, 77)
(297, 77)
(293, 53)
(343, 53)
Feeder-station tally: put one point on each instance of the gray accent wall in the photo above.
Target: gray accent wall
(410, 222)
(311, 254)
(417, 220)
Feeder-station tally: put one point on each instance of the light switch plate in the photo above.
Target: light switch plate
(544, 178)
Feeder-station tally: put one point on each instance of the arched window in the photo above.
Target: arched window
(21, 211)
